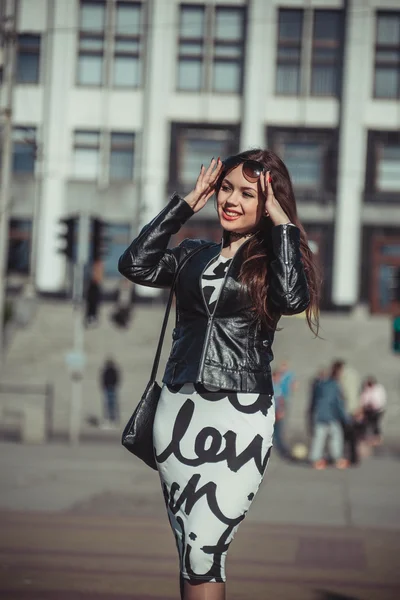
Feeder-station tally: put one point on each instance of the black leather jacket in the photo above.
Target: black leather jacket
(229, 348)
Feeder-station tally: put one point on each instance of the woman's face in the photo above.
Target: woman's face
(240, 203)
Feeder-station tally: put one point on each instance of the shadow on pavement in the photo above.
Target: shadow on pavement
(327, 595)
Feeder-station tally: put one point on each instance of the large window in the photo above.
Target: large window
(326, 53)
(193, 146)
(19, 245)
(86, 155)
(108, 154)
(110, 43)
(310, 156)
(294, 73)
(24, 151)
(211, 47)
(121, 156)
(28, 59)
(289, 51)
(387, 56)
(383, 166)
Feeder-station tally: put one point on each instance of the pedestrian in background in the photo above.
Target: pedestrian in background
(373, 403)
(110, 381)
(320, 376)
(279, 400)
(328, 418)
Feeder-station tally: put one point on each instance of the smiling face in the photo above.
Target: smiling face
(240, 203)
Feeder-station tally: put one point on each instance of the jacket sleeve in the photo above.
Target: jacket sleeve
(288, 288)
(148, 261)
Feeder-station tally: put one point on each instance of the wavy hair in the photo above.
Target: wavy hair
(258, 251)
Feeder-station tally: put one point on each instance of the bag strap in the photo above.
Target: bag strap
(168, 309)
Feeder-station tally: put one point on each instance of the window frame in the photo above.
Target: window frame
(29, 50)
(209, 42)
(177, 131)
(387, 47)
(337, 62)
(186, 57)
(112, 148)
(109, 52)
(298, 45)
(329, 140)
(138, 54)
(25, 174)
(372, 194)
(86, 146)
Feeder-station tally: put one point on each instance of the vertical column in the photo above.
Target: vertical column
(58, 63)
(352, 155)
(260, 26)
(155, 134)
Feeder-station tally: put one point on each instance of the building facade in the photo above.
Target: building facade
(117, 104)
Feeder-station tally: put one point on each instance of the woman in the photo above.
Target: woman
(372, 405)
(215, 418)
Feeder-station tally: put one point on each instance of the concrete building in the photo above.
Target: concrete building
(117, 103)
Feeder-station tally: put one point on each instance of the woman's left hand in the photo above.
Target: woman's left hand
(273, 209)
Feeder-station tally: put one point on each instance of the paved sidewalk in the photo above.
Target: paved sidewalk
(88, 523)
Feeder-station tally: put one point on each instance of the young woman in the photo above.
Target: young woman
(214, 422)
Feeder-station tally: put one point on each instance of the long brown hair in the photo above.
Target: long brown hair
(258, 250)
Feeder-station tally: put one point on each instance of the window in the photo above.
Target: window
(388, 167)
(86, 161)
(311, 158)
(24, 150)
(91, 149)
(304, 160)
(121, 157)
(193, 146)
(28, 59)
(191, 43)
(19, 246)
(91, 43)
(211, 48)
(326, 53)
(124, 65)
(294, 74)
(127, 68)
(387, 56)
(118, 239)
(289, 51)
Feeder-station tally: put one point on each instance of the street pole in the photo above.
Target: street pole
(78, 352)
(8, 43)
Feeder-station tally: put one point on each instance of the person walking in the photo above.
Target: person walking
(279, 400)
(214, 421)
(372, 404)
(110, 381)
(328, 418)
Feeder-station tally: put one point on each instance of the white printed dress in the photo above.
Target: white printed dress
(212, 448)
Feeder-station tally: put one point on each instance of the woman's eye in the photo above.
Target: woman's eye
(225, 188)
(246, 195)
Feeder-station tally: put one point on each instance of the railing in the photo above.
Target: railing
(25, 393)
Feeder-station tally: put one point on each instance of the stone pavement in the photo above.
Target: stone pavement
(88, 523)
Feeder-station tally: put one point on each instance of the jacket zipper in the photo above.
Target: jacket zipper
(285, 252)
(211, 316)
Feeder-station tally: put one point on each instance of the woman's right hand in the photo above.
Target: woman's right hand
(205, 185)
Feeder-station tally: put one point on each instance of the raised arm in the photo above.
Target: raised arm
(148, 261)
(288, 289)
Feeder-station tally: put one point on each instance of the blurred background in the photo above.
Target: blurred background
(107, 107)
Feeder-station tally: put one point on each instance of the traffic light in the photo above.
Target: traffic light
(100, 239)
(69, 236)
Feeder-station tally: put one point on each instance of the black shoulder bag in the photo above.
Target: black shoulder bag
(137, 436)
